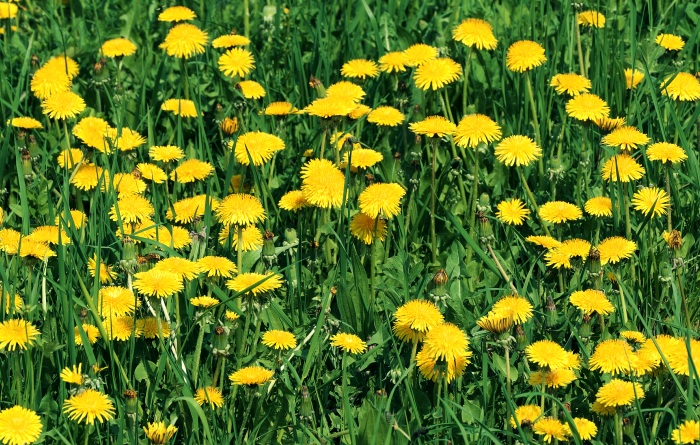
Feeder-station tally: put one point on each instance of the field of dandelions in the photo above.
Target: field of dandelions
(351, 222)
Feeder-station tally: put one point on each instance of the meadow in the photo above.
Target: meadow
(352, 222)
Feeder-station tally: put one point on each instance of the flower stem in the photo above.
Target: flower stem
(618, 429)
(433, 192)
(197, 354)
(668, 192)
(465, 85)
(500, 269)
(536, 123)
(531, 197)
(580, 49)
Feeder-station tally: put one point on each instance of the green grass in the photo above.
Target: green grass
(332, 281)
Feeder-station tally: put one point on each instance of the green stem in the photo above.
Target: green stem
(249, 406)
(580, 49)
(467, 69)
(433, 192)
(197, 354)
(246, 18)
(508, 384)
(618, 429)
(536, 123)
(531, 197)
(628, 226)
(668, 192)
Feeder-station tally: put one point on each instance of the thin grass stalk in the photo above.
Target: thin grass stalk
(536, 123)
(433, 192)
(465, 85)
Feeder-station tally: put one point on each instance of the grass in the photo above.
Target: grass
(333, 282)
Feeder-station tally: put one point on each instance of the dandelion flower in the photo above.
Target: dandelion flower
(279, 109)
(570, 83)
(122, 328)
(35, 249)
(255, 283)
(360, 69)
(185, 269)
(127, 140)
(551, 429)
(184, 41)
(603, 410)
(515, 307)
(216, 266)
(63, 105)
(615, 249)
(120, 47)
(149, 328)
(361, 158)
(73, 375)
(93, 131)
(46, 82)
(192, 170)
(433, 126)
(251, 89)
(386, 116)
(622, 168)
(587, 107)
(13, 304)
(627, 138)
(475, 33)
(613, 356)
(591, 301)
(475, 129)
(176, 14)
(585, 428)
(131, 209)
(651, 200)
(366, 229)
(524, 55)
(157, 283)
(557, 212)
(346, 91)
(8, 10)
(258, 146)
(359, 111)
(180, 107)
(593, 19)
(436, 73)
(62, 64)
(329, 107)
(546, 353)
(558, 378)
(151, 172)
(251, 237)
(681, 86)
(91, 334)
(322, 184)
(609, 123)
(158, 432)
(293, 201)
(204, 301)
(433, 369)
(394, 61)
(69, 158)
(17, 334)
(512, 211)
(165, 153)
(48, 235)
(670, 42)
(619, 393)
(416, 318)
(446, 343)
(251, 376)
(350, 343)
(687, 432)
(495, 323)
(633, 77)
(188, 209)
(230, 40)
(666, 153)
(419, 53)
(381, 199)
(240, 209)
(116, 301)
(19, 425)
(211, 395)
(545, 241)
(27, 123)
(599, 206)
(88, 406)
(277, 339)
(526, 414)
(517, 150)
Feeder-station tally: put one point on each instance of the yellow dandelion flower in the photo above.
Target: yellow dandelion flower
(211, 395)
(619, 393)
(361, 158)
(651, 200)
(413, 320)
(131, 209)
(366, 229)
(514, 307)
(626, 138)
(258, 146)
(474, 129)
(150, 328)
(120, 47)
(204, 301)
(436, 73)
(105, 274)
(192, 170)
(594, 19)
(558, 378)
(88, 406)
(551, 429)
(9, 241)
(251, 89)
(433, 369)
(252, 238)
(240, 209)
(346, 91)
(116, 301)
(185, 269)
(157, 283)
(446, 343)
(386, 116)
(180, 107)
(545, 241)
(184, 41)
(360, 69)
(512, 211)
(17, 334)
(322, 184)
(27, 123)
(433, 126)
(216, 266)
(557, 212)
(328, 107)
(159, 433)
(121, 328)
(63, 64)
(8, 10)
(475, 33)
(359, 111)
(187, 210)
(681, 86)
(73, 375)
(251, 376)
(230, 40)
(570, 83)
(687, 432)
(610, 123)
(255, 283)
(293, 201)
(381, 199)
(525, 55)
(350, 343)
(419, 53)
(69, 158)
(517, 150)
(63, 105)
(280, 109)
(526, 415)
(633, 77)
(19, 425)
(615, 248)
(587, 107)
(622, 168)
(670, 42)
(151, 172)
(165, 153)
(277, 339)
(586, 429)
(93, 132)
(633, 336)
(591, 301)
(176, 14)
(37, 250)
(47, 82)
(613, 356)
(599, 206)
(91, 333)
(547, 354)
(666, 153)
(48, 235)
(603, 410)
(125, 140)
(393, 62)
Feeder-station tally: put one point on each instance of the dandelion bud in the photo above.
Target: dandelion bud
(220, 341)
(520, 338)
(306, 410)
(316, 84)
(551, 315)
(440, 278)
(27, 164)
(584, 331)
(673, 239)
(130, 401)
(593, 261)
(229, 125)
(627, 427)
(268, 249)
(129, 249)
(369, 179)
(484, 200)
(290, 236)
(485, 229)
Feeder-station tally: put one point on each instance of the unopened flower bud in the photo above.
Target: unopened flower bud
(520, 338)
(229, 125)
(131, 401)
(551, 315)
